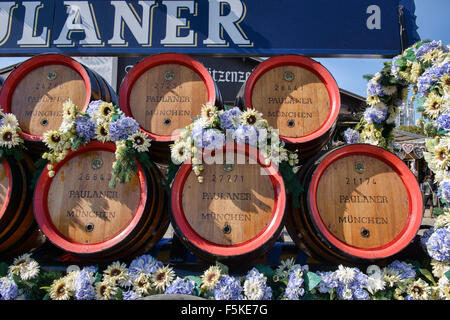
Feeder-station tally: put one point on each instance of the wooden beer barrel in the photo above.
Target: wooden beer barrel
(165, 92)
(18, 230)
(36, 90)
(361, 203)
(236, 213)
(297, 96)
(81, 214)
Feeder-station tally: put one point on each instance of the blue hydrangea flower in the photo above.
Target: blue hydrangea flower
(93, 107)
(145, 263)
(245, 134)
(85, 127)
(395, 68)
(84, 289)
(228, 288)
(328, 282)
(375, 89)
(427, 47)
(431, 76)
(130, 295)
(351, 284)
(255, 286)
(180, 286)
(443, 122)
(444, 191)
(372, 115)
(351, 136)
(122, 128)
(230, 119)
(405, 270)
(438, 245)
(294, 289)
(8, 289)
(425, 236)
(213, 139)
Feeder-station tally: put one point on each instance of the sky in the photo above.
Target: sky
(432, 20)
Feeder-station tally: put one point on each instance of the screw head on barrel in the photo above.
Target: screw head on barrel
(97, 163)
(359, 167)
(288, 76)
(169, 75)
(44, 122)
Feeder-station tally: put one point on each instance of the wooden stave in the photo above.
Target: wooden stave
(133, 239)
(309, 144)
(214, 95)
(236, 258)
(23, 234)
(323, 247)
(93, 87)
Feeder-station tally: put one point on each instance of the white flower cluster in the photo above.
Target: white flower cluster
(9, 131)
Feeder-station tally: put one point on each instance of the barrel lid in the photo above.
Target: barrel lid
(237, 209)
(44, 76)
(157, 98)
(78, 211)
(297, 96)
(365, 201)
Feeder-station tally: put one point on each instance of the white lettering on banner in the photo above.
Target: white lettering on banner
(139, 27)
(6, 10)
(374, 21)
(229, 76)
(81, 19)
(218, 22)
(174, 23)
(29, 36)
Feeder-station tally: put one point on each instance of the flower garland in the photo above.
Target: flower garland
(11, 144)
(104, 122)
(213, 128)
(146, 276)
(426, 67)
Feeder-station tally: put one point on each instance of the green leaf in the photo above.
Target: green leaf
(46, 297)
(447, 274)
(222, 267)
(427, 274)
(3, 269)
(312, 280)
(401, 63)
(265, 270)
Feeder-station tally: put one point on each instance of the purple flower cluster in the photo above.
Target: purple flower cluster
(246, 134)
(209, 139)
(93, 107)
(373, 115)
(405, 270)
(443, 122)
(85, 127)
(444, 191)
(427, 47)
(8, 289)
(438, 245)
(230, 118)
(294, 289)
(130, 295)
(431, 76)
(145, 264)
(180, 286)
(84, 288)
(375, 89)
(353, 289)
(425, 236)
(228, 288)
(395, 68)
(351, 136)
(122, 128)
(328, 282)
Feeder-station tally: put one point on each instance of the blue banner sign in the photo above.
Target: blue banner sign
(234, 27)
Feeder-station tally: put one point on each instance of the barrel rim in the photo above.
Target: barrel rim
(151, 62)
(16, 76)
(210, 248)
(10, 187)
(415, 212)
(317, 69)
(42, 214)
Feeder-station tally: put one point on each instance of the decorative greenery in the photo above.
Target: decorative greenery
(104, 122)
(425, 67)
